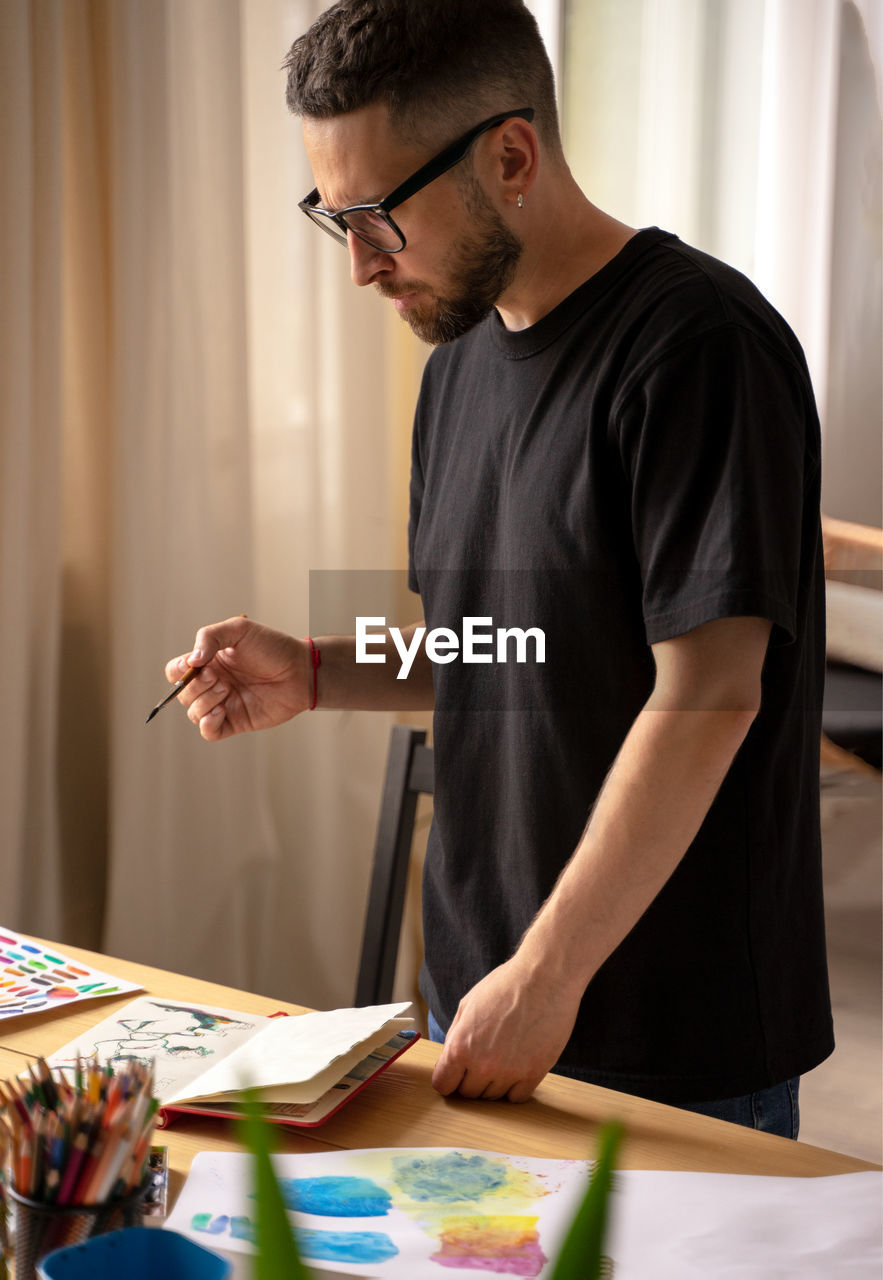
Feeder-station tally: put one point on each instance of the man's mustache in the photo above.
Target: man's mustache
(401, 290)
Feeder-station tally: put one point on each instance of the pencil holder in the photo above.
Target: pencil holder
(39, 1228)
(143, 1253)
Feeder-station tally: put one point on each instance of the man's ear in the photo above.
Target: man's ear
(517, 158)
(508, 163)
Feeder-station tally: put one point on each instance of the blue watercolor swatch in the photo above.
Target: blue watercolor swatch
(336, 1197)
(345, 1246)
(242, 1228)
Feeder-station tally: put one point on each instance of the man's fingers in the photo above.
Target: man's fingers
(473, 1085)
(215, 725)
(447, 1075)
(494, 1091)
(203, 695)
(220, 635)
(523, 1090)
(176, 668)
(453, 1075)
(477, 1085)
(207, 643)
(215, 709)
(469, 1084)
(449, 1078)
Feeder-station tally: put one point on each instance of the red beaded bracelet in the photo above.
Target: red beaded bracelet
(316, 660)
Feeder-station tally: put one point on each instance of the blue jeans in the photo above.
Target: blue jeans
(773, 1110)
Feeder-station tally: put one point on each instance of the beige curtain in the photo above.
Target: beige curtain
(751, 128)
(197, 410)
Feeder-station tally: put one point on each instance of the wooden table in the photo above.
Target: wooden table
(402, 1109)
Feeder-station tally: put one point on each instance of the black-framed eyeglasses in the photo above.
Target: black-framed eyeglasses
(371, 222)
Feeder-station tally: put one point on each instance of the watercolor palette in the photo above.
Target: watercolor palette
(408, 1213)
(34, 977)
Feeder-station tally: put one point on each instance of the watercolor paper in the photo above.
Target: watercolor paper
(439, 1213)
(701, 1226)
(35, 978)
(405, 1214)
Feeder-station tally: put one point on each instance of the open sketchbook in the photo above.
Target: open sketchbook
(304, 1068)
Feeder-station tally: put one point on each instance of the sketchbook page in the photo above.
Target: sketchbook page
(291, 1050)
(181, 1039)
(311, 1090)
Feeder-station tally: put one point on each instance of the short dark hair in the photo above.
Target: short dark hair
(436, 64)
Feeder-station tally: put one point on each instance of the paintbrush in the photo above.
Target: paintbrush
(174, 691)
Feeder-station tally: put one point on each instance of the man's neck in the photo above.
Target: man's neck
(567, 242)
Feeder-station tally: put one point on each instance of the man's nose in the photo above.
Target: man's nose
(367, 264)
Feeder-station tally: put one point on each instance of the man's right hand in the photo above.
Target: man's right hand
(250, 677)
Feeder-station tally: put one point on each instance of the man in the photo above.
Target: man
(616, 449)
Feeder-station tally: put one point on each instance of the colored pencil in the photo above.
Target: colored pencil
(77, 1143)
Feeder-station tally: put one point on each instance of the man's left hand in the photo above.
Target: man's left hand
(508, 1032)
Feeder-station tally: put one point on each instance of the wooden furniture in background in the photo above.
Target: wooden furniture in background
(853, 717)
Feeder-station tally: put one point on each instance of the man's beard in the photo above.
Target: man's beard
(482, 269)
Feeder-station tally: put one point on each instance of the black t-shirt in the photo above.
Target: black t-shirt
(642, 460)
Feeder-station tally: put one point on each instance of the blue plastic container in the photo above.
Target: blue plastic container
(135, 1253)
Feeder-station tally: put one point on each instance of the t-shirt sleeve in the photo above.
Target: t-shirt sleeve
(716, 443)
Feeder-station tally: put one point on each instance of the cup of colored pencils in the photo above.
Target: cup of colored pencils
(77, 1153)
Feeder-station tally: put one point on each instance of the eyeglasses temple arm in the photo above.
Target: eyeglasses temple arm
(447, 159)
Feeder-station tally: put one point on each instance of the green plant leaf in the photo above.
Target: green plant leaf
(582, 1253)
(277, 1255)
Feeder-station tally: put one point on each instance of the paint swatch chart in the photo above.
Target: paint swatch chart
(34, 978)
(413, 1213)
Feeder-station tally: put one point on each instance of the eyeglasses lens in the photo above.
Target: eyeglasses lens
(325, 224)
(374, 229)
(367, 224)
